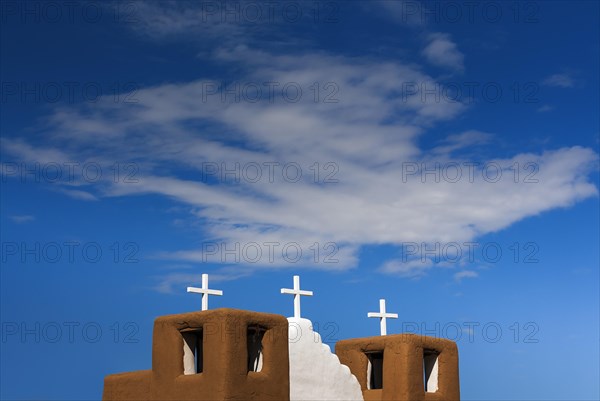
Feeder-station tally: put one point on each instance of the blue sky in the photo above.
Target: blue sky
(443, 156)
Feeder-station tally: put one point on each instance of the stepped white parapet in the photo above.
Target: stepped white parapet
(315, 372)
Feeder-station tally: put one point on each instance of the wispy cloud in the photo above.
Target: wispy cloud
(545, 108)
(81, 195)
(157, 20)
(443, 52)
(459, 276)
(20, 219)
(215, 23)
(467, 139)
(406, 12)
(367, 131)
(559, 81)
(175, 282)
(411, 269)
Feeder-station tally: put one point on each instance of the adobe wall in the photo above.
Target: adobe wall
(128, 386)
(403, 366)
(225, 374)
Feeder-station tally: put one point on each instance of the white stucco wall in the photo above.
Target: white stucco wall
(315, 372)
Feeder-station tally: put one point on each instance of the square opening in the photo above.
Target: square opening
(375, 370)
(254, 338)
(430, 370)
(193, 362)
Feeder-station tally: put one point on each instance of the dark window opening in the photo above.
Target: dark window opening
(255, 348)
(375, 370)
(193, 355)
(430, 370)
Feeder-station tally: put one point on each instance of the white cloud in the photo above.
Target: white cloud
(25, 151)
(414, 268)
(458, 276)
(559, 81)
(81, 195)
(443, 52)
(368, 134)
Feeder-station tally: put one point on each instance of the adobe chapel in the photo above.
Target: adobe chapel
(231, 354)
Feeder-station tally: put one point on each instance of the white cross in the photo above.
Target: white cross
(297, 292)
(204, 291)
(382, 316)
